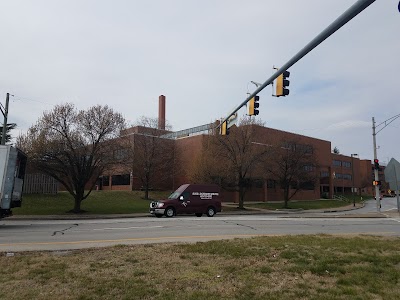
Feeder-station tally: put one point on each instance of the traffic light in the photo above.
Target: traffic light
(282, 83)
(376, 164)
(224, 128)
(376, 182)
(253, 105)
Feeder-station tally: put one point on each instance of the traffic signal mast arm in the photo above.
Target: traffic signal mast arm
(349, 14)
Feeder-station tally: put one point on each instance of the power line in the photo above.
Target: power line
(32, 100)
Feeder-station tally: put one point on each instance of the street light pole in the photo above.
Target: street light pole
(352, 178)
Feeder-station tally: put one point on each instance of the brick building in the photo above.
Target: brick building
(338, 174)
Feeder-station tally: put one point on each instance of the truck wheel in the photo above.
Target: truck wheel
(159, 215)
(169, 212)
(199, 214)
(210, 211)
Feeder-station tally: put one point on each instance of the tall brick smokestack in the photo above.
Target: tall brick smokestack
(161, 112)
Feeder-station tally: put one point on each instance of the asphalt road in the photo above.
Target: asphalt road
(55, 235)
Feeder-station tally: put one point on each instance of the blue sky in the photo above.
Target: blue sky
(202, 56)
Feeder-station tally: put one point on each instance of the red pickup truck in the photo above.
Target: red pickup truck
(195, 199)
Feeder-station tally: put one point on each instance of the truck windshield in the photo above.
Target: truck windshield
(178, 192)
(174, 195)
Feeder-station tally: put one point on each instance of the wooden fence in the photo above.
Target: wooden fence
(40, 184)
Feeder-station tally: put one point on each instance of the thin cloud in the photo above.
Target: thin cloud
(345, 125)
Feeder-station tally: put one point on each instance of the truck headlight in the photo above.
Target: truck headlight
(160, 204)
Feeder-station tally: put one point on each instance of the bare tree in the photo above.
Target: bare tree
(336, 150)
(294, 167)
(151, 157)
(366, 182)
(230, 160)
(73, 146)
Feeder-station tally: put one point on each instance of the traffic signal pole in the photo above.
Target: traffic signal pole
(349, 14)
(376, 169)
(376, 174)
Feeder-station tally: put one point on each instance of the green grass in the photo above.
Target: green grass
(313, 204)
(98, 202)
(280, 267)
(126, 202)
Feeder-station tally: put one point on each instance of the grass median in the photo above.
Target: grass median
(280, 267)
(126, 202)
(98, 202)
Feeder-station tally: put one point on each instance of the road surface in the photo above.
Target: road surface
(23, 235)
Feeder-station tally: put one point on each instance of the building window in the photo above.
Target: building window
(124, 179)
(307, 185)
(339, 176)
(308, 149)
(347, 177)
(308, 168)
(105, 180)
(324, 174)
(289, 146)
(305, 148)
(337, 163)
(271, 184)
(121, 154)
(346, 164)
(258, 183)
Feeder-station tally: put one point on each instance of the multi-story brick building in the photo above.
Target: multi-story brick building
(338, 174)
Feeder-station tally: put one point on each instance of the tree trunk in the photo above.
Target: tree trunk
(286, 198)
(77, 205)
(146, 187)
(78, 200)
(241, 198)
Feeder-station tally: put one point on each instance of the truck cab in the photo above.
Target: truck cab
(195, 199)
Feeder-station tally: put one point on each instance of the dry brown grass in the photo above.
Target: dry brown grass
(304, 267)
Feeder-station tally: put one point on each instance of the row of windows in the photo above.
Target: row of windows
(298, 147)
(124, 179)
(307, 185)
(339, 163)
(343, 176)
(325, 174)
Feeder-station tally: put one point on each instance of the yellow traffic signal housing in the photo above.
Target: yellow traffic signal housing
(253, 105)
(224, 128)
(282, 83)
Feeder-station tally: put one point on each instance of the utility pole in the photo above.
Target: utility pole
(5, 114)
(377, 192)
